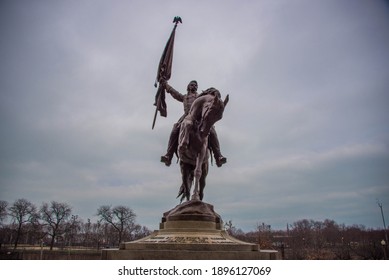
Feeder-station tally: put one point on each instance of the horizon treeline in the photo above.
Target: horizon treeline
(56, 226)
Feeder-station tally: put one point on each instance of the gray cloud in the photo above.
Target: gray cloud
(305, 132)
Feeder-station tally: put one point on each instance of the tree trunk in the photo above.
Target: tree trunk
(52, 242)
(17, 236)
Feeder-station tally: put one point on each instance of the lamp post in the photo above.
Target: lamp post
(383, 220)
(383, 243)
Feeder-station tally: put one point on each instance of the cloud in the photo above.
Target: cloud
(305, 132)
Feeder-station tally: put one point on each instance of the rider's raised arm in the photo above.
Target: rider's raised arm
(176, 95)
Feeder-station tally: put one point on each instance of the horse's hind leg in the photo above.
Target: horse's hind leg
(199, 178)
(187, 179)
(199, 170)
(204, 174)
(189, 182)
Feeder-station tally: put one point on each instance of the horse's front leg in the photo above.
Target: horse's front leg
(198, 170)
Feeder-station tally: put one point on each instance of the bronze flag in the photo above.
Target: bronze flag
(164, 72)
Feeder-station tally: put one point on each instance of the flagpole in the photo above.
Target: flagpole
(155, 117)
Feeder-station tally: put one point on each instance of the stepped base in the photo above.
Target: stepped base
(190, 231)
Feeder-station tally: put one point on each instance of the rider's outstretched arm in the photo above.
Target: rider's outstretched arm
(174, 93)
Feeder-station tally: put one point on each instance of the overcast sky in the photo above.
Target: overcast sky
(305, 132)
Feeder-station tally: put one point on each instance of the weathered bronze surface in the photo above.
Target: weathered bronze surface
(194, 135)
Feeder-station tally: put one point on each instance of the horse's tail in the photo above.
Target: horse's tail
(181, 193)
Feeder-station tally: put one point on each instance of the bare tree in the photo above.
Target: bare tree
(121, 218)
(55, 216)
(73, 228)
(264, 235)
(331, 232)
(22, 212)
(229, 227)
(232, 230)
(3, 217)
(97, 233)
(3, 211)
(141, 231)
(86, 232)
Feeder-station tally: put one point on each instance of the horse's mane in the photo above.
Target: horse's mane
(210, 91)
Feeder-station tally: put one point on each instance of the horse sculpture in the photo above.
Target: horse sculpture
(193, 152)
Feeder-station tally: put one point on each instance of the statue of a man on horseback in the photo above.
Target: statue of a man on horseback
(194, 135)
(187, 100)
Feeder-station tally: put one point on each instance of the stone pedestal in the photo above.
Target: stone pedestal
(190, 231)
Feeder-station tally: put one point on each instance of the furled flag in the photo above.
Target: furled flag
(164, 72)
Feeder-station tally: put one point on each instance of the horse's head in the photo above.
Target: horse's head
(212, 110)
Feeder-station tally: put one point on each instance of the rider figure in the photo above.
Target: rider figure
(187, 100)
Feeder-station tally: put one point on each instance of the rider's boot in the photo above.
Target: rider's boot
(167, 159)
(220, 160)
(215, 146)
(172, 146)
